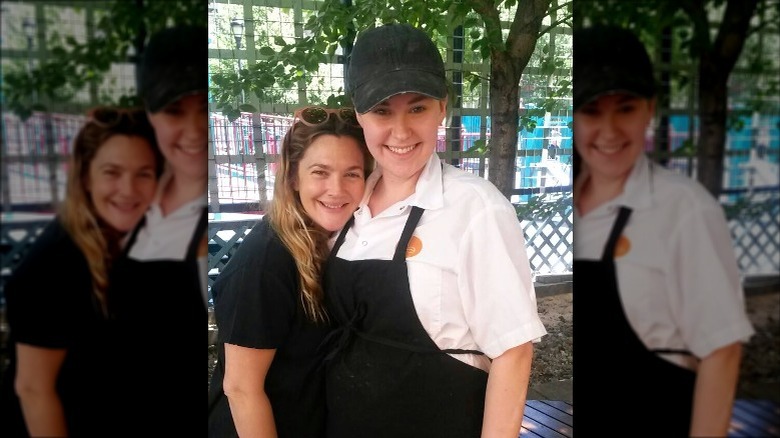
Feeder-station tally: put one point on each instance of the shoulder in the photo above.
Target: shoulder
(471, 191)
(681, 191)
(54, 244)
(37, 281)
(261, 249)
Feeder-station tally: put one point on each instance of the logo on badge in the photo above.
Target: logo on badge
(622, 247)
(414, 247)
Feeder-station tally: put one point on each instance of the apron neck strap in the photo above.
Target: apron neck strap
(617, 230)
(411, 224)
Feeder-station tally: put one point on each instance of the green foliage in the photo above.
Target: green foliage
(286, 64)
(479, 146)
(746, 208)
(71, 65)
(686, 149)
(544, 207)
(754, 85)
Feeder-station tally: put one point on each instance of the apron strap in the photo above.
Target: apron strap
(342, 235)
(672, 351)
(197, 235)
(406, 235)
(617, 230)
(133, 236)
(415, 348)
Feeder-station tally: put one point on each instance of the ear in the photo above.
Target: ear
(443, 108)
(294, 183)
(651, 103)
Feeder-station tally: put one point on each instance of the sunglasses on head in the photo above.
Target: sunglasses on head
(316, 115)
(108, 117)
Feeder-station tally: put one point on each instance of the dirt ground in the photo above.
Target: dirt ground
(760, 367)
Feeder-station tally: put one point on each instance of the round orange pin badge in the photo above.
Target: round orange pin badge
(622, 247)
(414, 247)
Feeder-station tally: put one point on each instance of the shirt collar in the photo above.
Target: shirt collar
(638, 190)
(428, 193)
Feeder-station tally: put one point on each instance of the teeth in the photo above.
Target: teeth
(191, 151)
(609, 151)
(332, 206)
(401, 150)
(125, 207)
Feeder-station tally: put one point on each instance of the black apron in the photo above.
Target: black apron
(619, 384)
(385, 376)
(162, 320)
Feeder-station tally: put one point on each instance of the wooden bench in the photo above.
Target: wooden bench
(554, 419)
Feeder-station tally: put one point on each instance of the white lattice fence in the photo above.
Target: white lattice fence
(549, 243)
(756, 234)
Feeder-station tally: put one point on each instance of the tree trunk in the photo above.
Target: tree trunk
(713, 100)
(507, 62)
(715, 65)
(504, 105)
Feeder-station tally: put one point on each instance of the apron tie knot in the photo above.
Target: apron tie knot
(339, 338)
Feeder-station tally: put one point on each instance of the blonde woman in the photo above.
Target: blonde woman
(59, 311)
(268, 300)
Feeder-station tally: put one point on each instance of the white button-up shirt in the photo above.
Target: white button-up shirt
(679, 281)
(470, 278)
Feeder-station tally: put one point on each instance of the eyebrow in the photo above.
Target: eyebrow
(419, 98)
(111, 165)
(325, 166)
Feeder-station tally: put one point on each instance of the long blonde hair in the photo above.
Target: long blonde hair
(306, 241)
(98, 241)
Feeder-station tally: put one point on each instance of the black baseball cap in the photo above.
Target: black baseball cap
(394, 59)
(610, 59)
(174, 65)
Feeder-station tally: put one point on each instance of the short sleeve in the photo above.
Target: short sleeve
(710, 300)
(495, 282)
(255, 295)
(49, 292)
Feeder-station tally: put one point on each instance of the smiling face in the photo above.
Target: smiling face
(181, 129)
(609, 133)
(330, 180)
(401, 133)
(121, 180)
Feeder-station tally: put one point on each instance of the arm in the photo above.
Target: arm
(35, 384)
(244, 386)
(507, 388)
(713, 397)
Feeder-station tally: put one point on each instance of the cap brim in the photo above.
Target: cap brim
(592, 96)
(378, 89)
(155, 105)
(606, 80)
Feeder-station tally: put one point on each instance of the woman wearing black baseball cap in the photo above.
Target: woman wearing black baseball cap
(160, 282)
(658, 306)
(429, 282)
